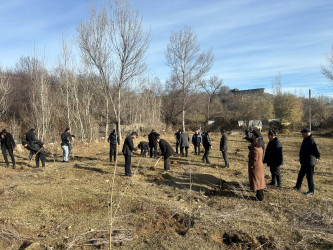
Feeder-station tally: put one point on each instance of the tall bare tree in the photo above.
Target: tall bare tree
(328, 70)
(188, 65)
(5, 89)
(212, 87)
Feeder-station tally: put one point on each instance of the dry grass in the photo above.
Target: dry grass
(193, 206)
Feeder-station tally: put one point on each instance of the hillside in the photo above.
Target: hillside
(193, 206)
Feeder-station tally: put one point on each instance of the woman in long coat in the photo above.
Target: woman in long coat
(256, 168)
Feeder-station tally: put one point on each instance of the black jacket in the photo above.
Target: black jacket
(30, 136)
(113, 139)
(224, 143)
(196, 140)
(177, 135)
(152, 139)
(274, 154)
(143, 145)
(66, 139)
(8, 142)
(166, 149)
(35, 146)
(309, 152)
(206, 141)
(128, 146)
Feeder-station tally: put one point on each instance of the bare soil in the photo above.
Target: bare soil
(193, 206)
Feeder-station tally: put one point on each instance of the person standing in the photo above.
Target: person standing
(196, 141)
(184, 143)
(274, 157)
(66, 141)
(37, 147)
(153, 143)
(256, 168)
(8, 145)
(309, 155)
(177, 136)
(113, 140)
(207, 146)
(224, 147)
(128, 147)
(30, 136)
(166, 151)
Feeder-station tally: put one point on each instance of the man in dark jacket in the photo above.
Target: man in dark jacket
(128, 147)
(166, 151)
(113, 140)
(37, 147)
(144, 147)
(207, 145)
(224, 147)
(177, 136)
(274, 157)
(309, 154)
(30, 136)
(66, 144)
(196, 141)
(184, 143)
(8, 145)
(153, 143)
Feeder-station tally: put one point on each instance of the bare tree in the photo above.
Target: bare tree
(5, 89)
(328, 70)
(188, 65)
(212, 87)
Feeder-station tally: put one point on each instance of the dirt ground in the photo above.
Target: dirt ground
(193, 206)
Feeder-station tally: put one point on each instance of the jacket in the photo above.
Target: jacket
(196, 140)
(224, 143)
(8, 142)
(113, 139)
(35, 146)
(66, 139)
(143, 145)
(273, 154)
(128, 146)
(30, 136)
(152, 139)
(206, 141)
(309, 152)
(166, 149)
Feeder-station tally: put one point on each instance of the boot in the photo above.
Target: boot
(260, 194)
(279, 181)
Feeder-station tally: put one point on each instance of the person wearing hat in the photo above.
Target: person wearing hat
(128, 147)
(37, 147)
(274, 157)
(66, 141)
(224, 147)
(8, 145)
(166, 151)
(30, 136)
(257, 134)
(309, 155)
(207, 146)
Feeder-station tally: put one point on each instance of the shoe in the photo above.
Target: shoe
(203, 160)
(309, 193)
(208, 162)
(296, 188)
(271, 183)
(279, 185)
(225, 166)
(14, 166)
(7, 166)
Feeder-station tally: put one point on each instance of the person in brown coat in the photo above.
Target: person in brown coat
(256, 168)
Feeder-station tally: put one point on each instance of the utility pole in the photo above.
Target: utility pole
(310, 109)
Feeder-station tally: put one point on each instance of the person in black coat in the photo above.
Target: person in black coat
(224, 148)
(37, 147)
(309, 155)
(196, 141)
(207, 145)
(153, 143)
(128, 147)
(166, 151)
(144, 147)
(30, 136)
(177, 136)
(8, 145)
(274, 157)
(113, 140)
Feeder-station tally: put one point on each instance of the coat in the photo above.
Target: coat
(8, 142)
(152, 139)
(184, 140)
(309, 152)
(224, 143)
(128, 146)
(66, 139)
(273, 154)
(30, 136)
(143, 145)
(114, 139)
(256, 167)
(35, 146)
(206, 141)
(196, 140)
(166, 149)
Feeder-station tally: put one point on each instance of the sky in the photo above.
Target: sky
(253, 41)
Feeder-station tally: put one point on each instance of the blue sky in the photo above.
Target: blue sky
(253, 41)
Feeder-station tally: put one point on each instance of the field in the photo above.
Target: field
(193, 206)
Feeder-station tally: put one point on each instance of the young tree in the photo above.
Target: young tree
(328, 70)
(5, 89)
(188, 65)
